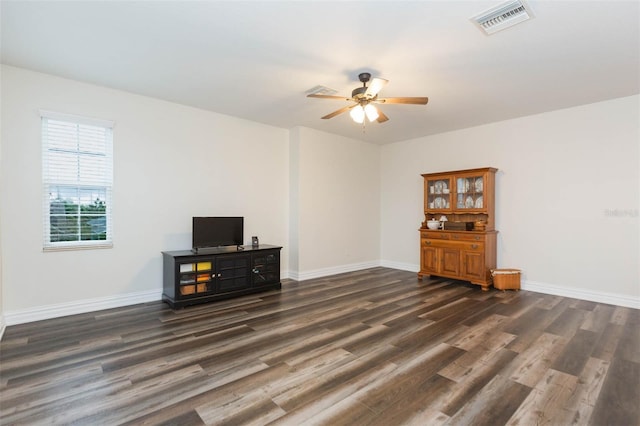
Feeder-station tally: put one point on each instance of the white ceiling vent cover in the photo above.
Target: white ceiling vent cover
(503, 16)
(321, 90)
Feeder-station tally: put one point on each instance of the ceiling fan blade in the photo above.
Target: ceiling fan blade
(338, 112)
(382, 117)
(413, 101)
(375, 86)
(313, 95)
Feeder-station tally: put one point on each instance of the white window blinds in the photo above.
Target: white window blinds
(77, 165)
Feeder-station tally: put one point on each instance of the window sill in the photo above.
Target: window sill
(73, 247)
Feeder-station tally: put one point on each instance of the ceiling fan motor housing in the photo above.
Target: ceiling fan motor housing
(364, 77)
(358, 93)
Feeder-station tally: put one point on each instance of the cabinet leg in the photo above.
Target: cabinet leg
(485, 288)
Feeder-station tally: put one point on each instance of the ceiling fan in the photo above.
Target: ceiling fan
(364, 98)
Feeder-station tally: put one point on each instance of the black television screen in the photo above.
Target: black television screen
(217, 231)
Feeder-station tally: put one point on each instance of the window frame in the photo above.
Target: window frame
(49, 181)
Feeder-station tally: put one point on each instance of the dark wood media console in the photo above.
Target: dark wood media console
(219, 273)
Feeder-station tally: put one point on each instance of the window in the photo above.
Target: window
(77, 174)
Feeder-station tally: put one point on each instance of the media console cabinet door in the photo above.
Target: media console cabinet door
(233, 272)
(266, 267)
(195, 277)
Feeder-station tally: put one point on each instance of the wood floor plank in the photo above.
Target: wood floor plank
(607, 342)
(493, 404)
(307, 391)
(426, 394)
(248, 408)
(371, 347)
(598, 318)
(629, 345)
(530, 366)
(325, 404)
(579, 407)
(530, 326)
(546, 401)
(567, 323)
(406, 381)
(617, 403)
(576, 352)
(475, 379)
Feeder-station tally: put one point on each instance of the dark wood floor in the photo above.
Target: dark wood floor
(370, 347)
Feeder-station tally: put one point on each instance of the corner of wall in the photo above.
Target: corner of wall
(2, 321)
(3, 326)
(294, 206)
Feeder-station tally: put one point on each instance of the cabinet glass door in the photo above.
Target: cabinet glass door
(195, 278)
(438, 194)
(469, 193)
(233, 272)
(266, 268)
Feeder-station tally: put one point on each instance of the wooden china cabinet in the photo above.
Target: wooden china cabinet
(464, 247)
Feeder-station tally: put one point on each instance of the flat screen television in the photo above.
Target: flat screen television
(217, 231)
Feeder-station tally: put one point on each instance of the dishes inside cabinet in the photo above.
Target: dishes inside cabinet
(467, 185)
(468, 203)
(479, 184)
(439, 187)
(479, 202)
(460, 185)
(439, 203)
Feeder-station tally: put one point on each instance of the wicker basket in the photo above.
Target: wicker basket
(506, 279)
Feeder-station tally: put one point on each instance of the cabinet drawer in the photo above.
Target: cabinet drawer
(436, 235)
(467, 237)
(460, 245)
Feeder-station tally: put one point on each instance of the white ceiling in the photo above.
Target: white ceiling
(256, 59)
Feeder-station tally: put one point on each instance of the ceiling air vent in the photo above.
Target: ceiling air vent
(321, 90)
(503, 16)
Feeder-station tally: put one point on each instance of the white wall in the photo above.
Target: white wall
(568, 194)
(338, 192)
(171, 163)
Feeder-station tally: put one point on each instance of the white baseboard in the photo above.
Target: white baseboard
(555, 290)
(583, 294)
(90, 305)
(334, 270)
(80, 307)
(400, 265)
(3, 326)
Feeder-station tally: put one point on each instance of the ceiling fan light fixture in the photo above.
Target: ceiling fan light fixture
(357, 114)
(364, 98)
(371, 112)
